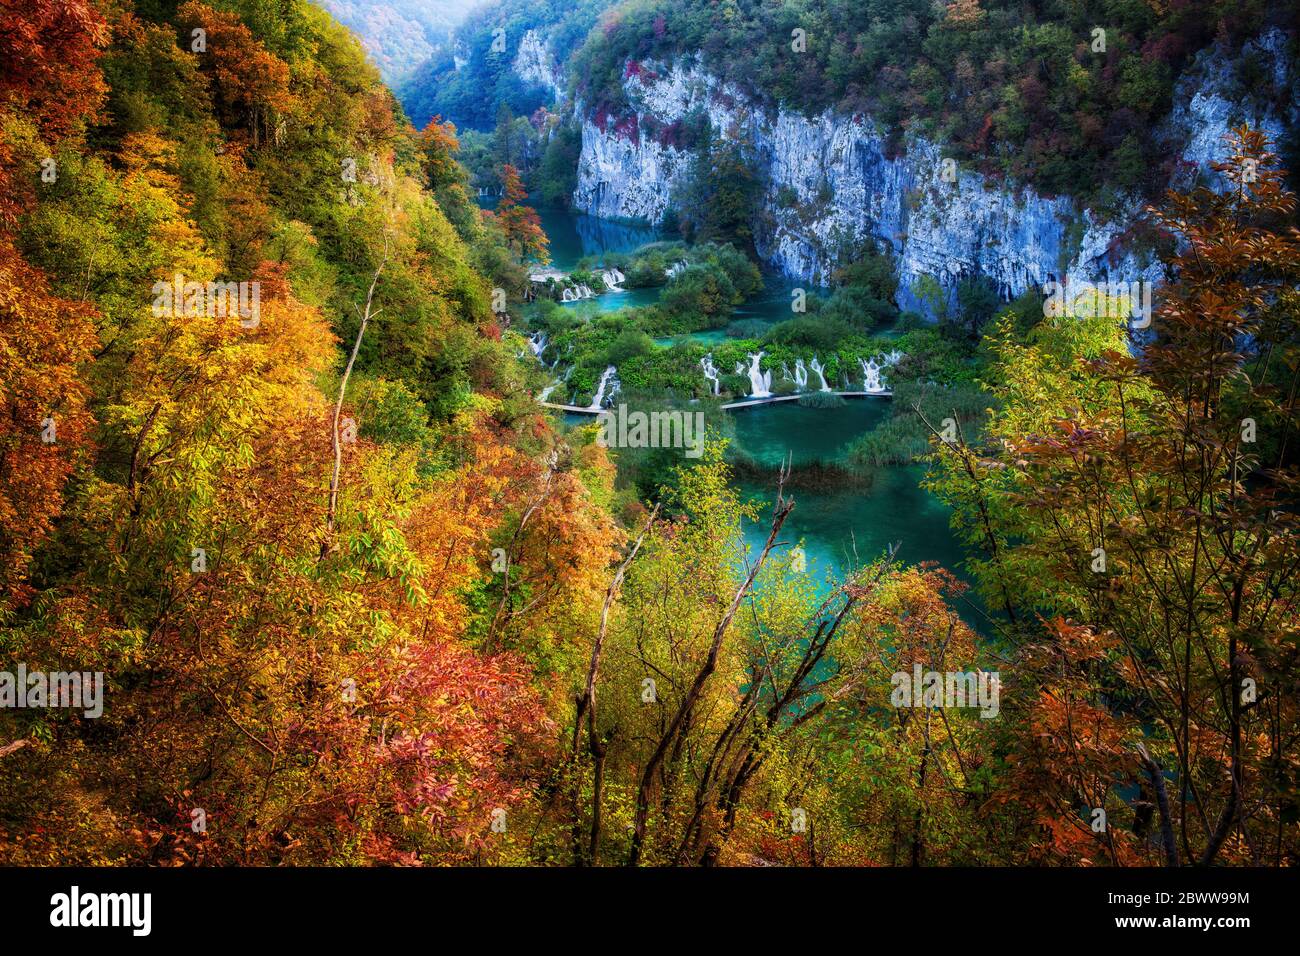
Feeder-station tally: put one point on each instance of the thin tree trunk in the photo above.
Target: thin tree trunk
(1162, 805)
(684, 711)
(587, 708)
(331, 515)
(918, 847)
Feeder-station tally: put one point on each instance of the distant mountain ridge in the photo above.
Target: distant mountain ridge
(400, 35)
(507, 52)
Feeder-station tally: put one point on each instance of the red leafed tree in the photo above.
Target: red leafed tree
(522, 225)
(48, 50)
(43, 416)
(250, 80)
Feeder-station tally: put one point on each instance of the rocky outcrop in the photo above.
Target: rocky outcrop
(535, 63)
(1211, 98)
(832, 185)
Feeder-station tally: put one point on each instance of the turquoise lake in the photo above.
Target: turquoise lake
(840, 528)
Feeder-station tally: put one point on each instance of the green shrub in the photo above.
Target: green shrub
(820, 400)
(630, 343)
(810, 331)
(736, 385)
(747, 329)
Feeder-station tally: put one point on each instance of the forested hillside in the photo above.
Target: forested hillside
(290, 606)
(469, 80)
(1060, 94)
(276, 475)
(400, 35)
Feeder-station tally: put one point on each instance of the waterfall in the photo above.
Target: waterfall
(537, 342)
(675, 270)
(800, 375)
(871, 375)
(612, 278)
(546, 392)
(605, 379)
(816, 366)
(871, 369)
(759, 381)
(567, 295)
(711, 372)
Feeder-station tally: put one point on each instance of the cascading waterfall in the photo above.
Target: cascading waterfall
(816, 366)
(871, 369)
(711, 372)
(574, 293)
(800, 375)
(537, 342)
(546, 392)
(608, 383)
(613, 279)
(759, 381)
(675, 269)
(870, 375)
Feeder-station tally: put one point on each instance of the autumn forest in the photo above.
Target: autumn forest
(296, 570)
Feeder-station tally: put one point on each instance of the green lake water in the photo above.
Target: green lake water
(840, 528)
(574, 236)
(613, 301)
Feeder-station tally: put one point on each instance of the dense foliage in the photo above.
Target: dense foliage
(288, 611)
(399, 35)
(356, 599)
(469, 79)
(1015, 87)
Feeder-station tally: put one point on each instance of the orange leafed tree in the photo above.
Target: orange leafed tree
(44, 340)
(522, 225)
(49, 77)
(249, 78)
(440, 145)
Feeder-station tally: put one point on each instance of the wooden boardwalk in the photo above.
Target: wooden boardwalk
(580, 409)
(750, 403)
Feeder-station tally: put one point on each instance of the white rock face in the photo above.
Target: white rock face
(832, 188)
(535, 63)
(619, 178)
(1206, 108)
